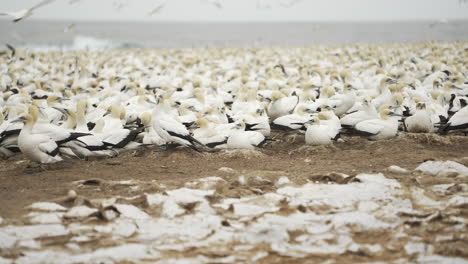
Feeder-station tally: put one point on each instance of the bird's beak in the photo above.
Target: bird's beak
(61, 99)
(107, 112)
(61, 110)
(352, 87)
(394, 114)
(19, 119)
(310, 111)
(391, 80)
(310, 122)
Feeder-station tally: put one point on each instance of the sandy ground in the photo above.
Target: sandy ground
(23, 184)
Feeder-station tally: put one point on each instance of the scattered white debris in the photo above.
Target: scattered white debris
(80, 212)
(436, 167)
(124, 228)
(458, 201)
(242, 180)
(227, 170)
(131, 211)
(440, 259)
(35, 231)
(47, 206)
(441, 188)
(317, 219)
(421, 199)
(30, 243)
(45, 218)
(397, 169)
(5, 261)
(244, 209)
(283, 180)
(209, 183)
(7, 240)
(415, 248)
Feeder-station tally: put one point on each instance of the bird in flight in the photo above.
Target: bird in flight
(261, 4)
(216, 3)
(118, 5)
(157, 8)
(24, 13)
(70, 28)
(289, 3)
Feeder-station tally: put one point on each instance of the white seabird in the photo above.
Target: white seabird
(420, 122)
(319, 134)
(39, 148)
(173, 131)
(458, 122)
(24, 13)
(157, 8)
(295, 120)
(381, 128)
(281, 105)
(367, 111)
(245, 140)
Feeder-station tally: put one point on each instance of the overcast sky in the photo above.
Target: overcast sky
(247, 10)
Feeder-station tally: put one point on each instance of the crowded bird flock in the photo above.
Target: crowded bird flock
(87, 104)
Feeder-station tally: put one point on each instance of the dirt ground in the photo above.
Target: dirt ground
(22, 183)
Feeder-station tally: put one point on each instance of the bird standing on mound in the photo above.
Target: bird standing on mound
(319, 134)
(458, 122)
(420, 122)
(385, 127)
(39, 148)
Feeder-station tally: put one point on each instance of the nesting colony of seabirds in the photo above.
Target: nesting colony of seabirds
(88, 104)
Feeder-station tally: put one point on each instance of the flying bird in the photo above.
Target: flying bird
(261, 4)
(70, 28)
(119, 5)
(289, 3)
(157, 9)
(442, 21)
(24, 13)
(216, 3)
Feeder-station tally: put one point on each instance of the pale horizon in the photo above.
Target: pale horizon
(202, 11)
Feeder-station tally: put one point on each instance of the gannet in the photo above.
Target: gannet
(367, 111)
(420, 121)
(458, 122)
(150, 137)
(216, 3)
(39, 148)
(381, 128)
(328, 117)
(344, 101)
(245, 140)
(173, 131)
(90, 145)
(256, 121)
(210, 134)
(281, 105)
(293, 121)
(157, 8)
(319, 134)
(8, 140)
(60, 135)
(24, 13)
